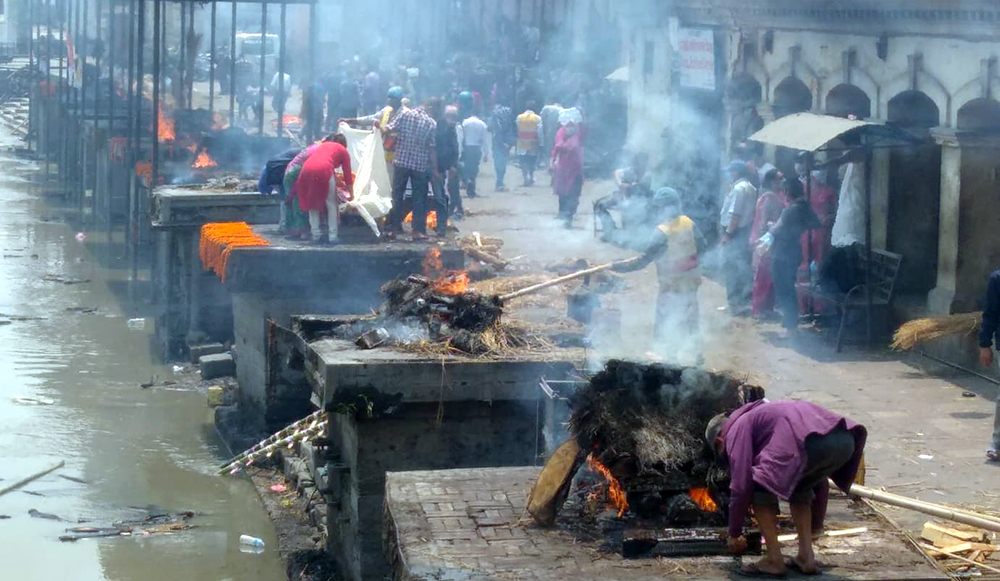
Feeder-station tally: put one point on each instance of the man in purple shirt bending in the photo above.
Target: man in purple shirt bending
(787, 450)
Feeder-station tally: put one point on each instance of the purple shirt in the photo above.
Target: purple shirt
(765, 443)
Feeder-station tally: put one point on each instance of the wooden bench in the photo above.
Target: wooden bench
(884, 270)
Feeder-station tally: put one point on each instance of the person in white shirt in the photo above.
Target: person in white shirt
(281, 86)
(736, 221)
(474, 139)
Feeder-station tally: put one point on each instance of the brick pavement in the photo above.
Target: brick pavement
(471, 523)
(926, 439)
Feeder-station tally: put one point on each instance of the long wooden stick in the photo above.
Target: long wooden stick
(31, 478)
(965, 517)
(543, 285)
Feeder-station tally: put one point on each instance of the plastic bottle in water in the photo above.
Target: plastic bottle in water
(248, 541)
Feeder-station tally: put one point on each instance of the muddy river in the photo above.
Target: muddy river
(69, 390)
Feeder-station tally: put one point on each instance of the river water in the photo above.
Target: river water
(135, 448)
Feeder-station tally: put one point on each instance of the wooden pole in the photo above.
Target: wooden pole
(965, 517)
(556, 281)
(32, 478)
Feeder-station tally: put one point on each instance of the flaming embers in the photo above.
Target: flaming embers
(164, 126)
(616, 494)
(703, 499)
(203, 160)
(432, 219)
(449, 282)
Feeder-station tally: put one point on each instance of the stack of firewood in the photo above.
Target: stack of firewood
(960, 550)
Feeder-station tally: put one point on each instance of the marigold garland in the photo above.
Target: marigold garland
(219, 239)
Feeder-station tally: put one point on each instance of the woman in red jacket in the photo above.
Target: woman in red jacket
(316, 186)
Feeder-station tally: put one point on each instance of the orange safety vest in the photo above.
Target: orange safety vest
(677, 268)
(388, 138)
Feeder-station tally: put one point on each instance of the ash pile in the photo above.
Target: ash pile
(441, 316)
(638, 457)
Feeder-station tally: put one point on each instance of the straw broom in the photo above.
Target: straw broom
(917, 331)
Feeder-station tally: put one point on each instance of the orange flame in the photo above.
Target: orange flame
(616, 494)
(204, 160)
(703, 499)
(432, 219)
(287, 120)
(449, 282)
(164, 126)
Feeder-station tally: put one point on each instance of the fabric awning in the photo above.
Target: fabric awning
(808, 131)
(619, 75)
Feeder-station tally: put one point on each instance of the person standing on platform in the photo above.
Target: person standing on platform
(415, 164)
(316, 185)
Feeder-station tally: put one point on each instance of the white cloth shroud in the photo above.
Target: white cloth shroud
(849, 224)
(371, 193)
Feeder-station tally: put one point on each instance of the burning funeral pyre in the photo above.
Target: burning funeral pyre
(639, 450)
(437, 312)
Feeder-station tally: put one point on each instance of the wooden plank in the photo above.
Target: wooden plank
(941, 536)
(552, 486)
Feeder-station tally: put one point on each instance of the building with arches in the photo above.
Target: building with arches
(928, 66)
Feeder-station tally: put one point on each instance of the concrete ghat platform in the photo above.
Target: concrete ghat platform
(472, 524)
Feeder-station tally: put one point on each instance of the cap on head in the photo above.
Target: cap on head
(714, 429)
(465, 96)
(667, 197)
(395, 93)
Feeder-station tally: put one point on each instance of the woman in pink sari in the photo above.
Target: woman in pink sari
(769, 206)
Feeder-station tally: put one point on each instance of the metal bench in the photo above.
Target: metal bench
(884, 270)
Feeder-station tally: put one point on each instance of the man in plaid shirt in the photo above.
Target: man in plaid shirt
(416, 162)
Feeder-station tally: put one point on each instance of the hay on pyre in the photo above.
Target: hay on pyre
(652, 417)
(426, 315)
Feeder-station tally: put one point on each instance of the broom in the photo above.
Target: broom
(912, 333)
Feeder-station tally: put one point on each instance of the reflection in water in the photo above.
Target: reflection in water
(136, 449)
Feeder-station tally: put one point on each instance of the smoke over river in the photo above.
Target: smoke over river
(71, 392)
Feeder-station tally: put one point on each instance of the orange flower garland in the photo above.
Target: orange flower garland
(219, 239)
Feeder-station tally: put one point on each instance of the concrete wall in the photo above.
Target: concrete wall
(415, 437)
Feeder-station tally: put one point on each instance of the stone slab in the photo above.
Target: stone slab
(471, 524)
(220, 365)
(199, 351)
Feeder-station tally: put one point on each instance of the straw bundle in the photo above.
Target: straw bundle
(654, 414)
(917, 331)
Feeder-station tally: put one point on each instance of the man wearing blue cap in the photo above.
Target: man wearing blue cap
(674, 248)
(381, 119)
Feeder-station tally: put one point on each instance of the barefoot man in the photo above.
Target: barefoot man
(787, 450)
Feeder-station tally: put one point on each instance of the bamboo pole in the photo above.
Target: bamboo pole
(32, 478)
(543, 285)
(306, 428)
(965, 517)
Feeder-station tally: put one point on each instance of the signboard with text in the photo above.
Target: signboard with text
(696, 51)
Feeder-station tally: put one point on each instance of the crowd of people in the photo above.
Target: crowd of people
(433, 152)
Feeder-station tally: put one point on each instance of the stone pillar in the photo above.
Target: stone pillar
(942, 297)
(880, 198)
